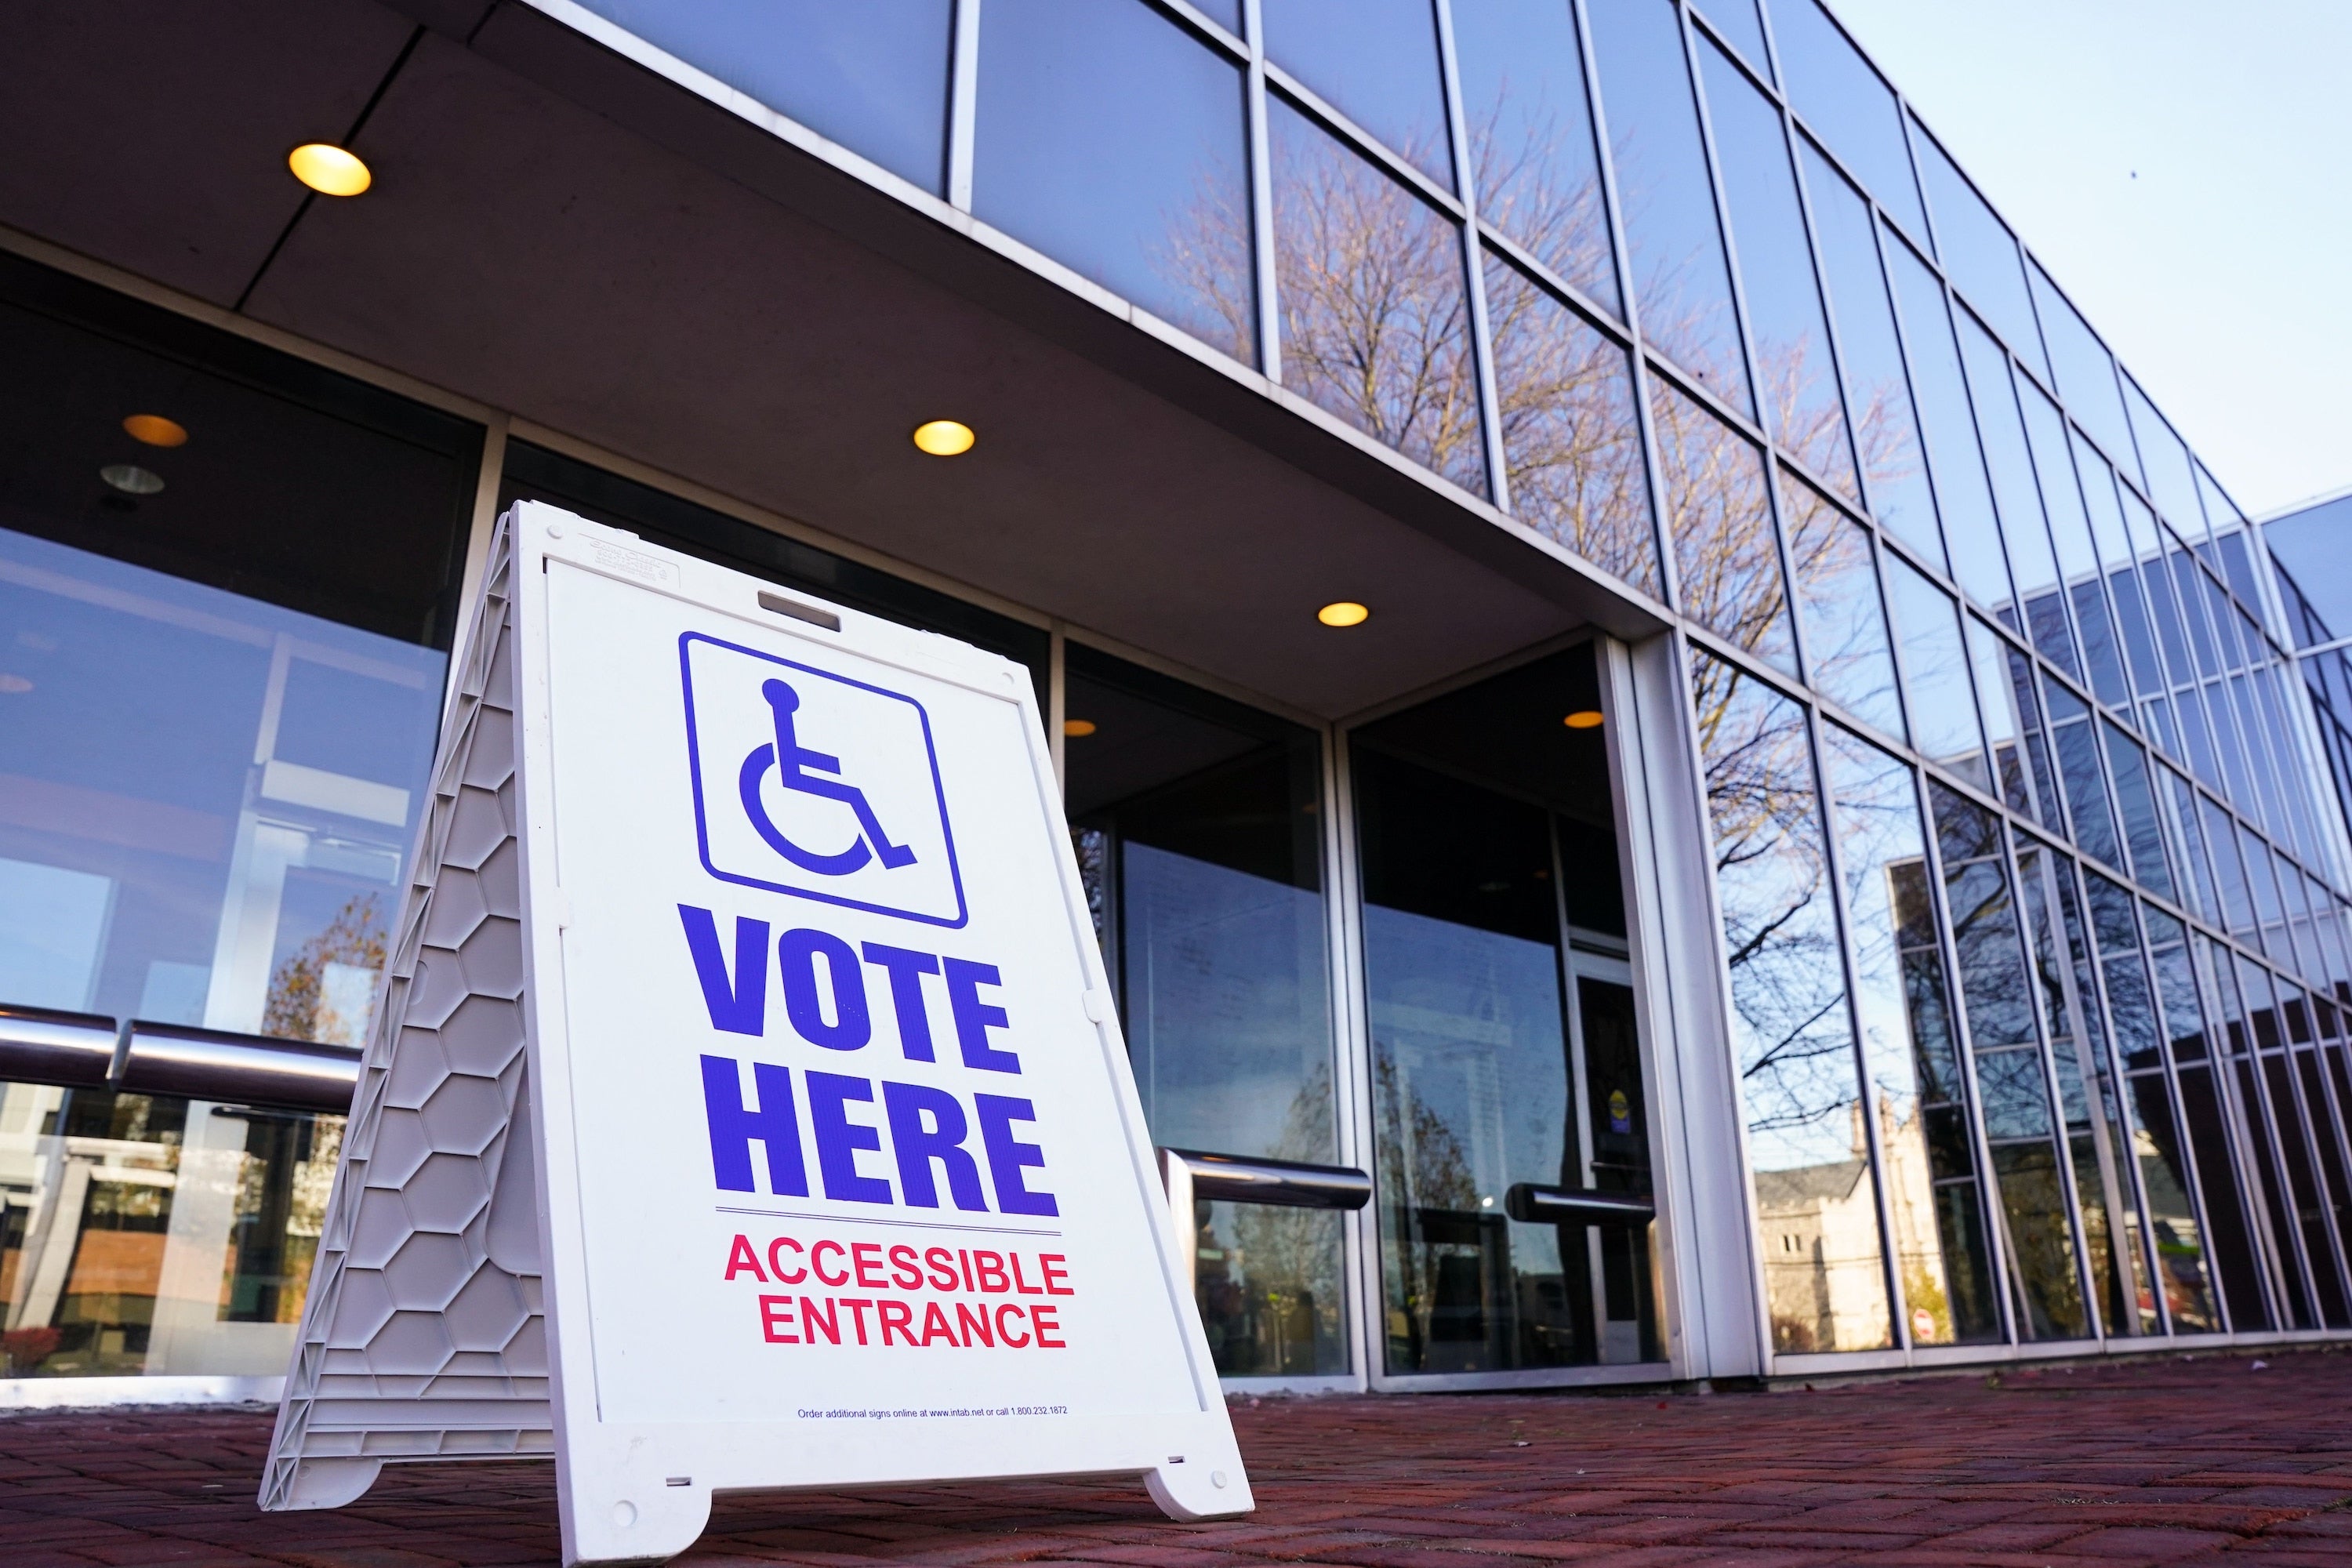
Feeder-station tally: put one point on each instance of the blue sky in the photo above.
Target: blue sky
(2184, 170)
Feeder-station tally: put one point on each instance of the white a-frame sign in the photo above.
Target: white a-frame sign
(745, 1108)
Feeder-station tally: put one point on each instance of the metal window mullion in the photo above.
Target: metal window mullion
(1898, 1300)
(1265, 250)
(1992, 1215)
(963, 104)
(1351, 987)
(1482, 340)
(1719, 953)
(1363, 1300)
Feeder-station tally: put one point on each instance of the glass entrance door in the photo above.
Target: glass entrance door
(1506, 1060)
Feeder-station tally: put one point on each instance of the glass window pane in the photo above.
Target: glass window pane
(1477, 812)
(1996, 998)
(1895, 470)
(2085, 372)
(2155, 1140)
(1375, 316)
(1571, 442)
(1197, 827)
(2137, 799)
(1680, 282)
(2111, 1244)
(1847, 654)
(1953, 455)
(1799, 1082)
(1848, 105)
(2169, 482)
(1112, 139)
(1943, 710)
(2076, 744)
(1531, 149)
(1979, 251)
(1375, 61)
(1725, 556)
(1904, 1009)
(872, 76)
(2012, 723)
(2196, 879)
(2033, 566)
(2078, 554)
(1798, 379)
(1739, 23)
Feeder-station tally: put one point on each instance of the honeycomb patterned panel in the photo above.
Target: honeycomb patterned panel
(423, 1336)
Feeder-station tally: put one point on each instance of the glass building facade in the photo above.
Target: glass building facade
(2013, 1005)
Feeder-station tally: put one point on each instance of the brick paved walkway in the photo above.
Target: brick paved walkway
(2164, 1461)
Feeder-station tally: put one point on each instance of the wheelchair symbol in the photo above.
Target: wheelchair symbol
(797, 769)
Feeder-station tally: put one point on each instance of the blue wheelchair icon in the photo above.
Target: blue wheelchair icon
(798, 769)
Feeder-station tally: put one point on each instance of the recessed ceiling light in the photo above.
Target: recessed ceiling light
(154, 430)
(1585, 719)
(1077, 729)
(131, 479)
(329, 170)
(944, 438)
(1345, 612)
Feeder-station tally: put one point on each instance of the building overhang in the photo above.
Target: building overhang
(564, 233)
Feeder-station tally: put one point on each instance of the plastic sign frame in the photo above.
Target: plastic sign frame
(744, 1108)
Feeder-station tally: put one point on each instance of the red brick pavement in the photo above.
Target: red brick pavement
(2158, 1461)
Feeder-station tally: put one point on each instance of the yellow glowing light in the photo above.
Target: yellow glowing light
(944, 438)
(329, 170)
(1584, 719)
(1077, 729)
(1345, 613)
(154, 430)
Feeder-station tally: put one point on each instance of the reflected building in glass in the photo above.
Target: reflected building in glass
(1828, 851)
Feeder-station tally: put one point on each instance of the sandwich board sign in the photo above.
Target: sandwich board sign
(745, 1108)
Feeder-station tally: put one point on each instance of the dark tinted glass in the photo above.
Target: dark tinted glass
(1484, 819)
(222, 667)
(1196, 825)
(1532, 154)
(1375, 61)
(1792, 1032)
(1878, 392)
(1572, 444)
(1375, 316)
(1798, 378)
(1936, 673)
(1680, 282)
(534, 473)
(1978, 252)
(2136, 798)
(1111, 140)
(872, 76)
(1847, 657)
(1726, 559)
(1954, 456)
(2086, 371)
(1848, 105)
(2072, 735)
